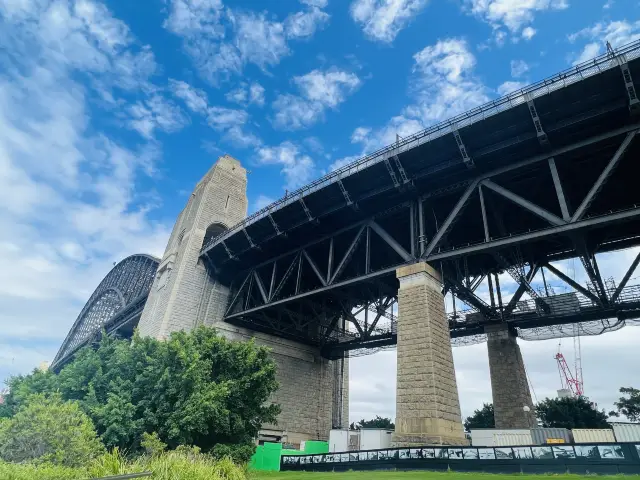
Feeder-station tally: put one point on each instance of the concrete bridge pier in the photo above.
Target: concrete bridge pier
(427, 404)
(508, 379)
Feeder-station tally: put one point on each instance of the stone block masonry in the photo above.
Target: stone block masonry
(427, 405)
(508, 380)
(184, 295)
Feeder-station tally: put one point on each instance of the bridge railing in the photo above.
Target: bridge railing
(493, 107)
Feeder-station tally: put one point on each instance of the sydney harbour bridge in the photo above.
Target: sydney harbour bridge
(545, 174)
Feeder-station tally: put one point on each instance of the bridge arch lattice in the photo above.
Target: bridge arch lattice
(129, 281)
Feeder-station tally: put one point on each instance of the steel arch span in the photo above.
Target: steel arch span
(118, 301)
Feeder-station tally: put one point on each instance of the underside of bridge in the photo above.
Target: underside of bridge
(545, 174)
(510, 188)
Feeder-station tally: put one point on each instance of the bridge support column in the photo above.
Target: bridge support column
(508, 380)
(427, 405)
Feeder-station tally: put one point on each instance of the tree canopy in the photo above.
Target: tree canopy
(570, 413)
(378, 422)
(47, 429)
(628, 405)
(196, 388)
(482, 418)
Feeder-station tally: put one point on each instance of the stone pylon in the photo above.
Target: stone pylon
(185, 295)
(509, 383)
(427, 405)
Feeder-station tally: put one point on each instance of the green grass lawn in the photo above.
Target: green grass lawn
(417, 475)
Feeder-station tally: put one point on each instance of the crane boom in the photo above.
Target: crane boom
(568, 380)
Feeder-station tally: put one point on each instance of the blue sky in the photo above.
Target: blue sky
(111, 111)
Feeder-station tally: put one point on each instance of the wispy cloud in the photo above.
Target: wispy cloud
(65, 220)
(319, 90)
(519, 68)
(231, 122)
(514, 16)
(510, 86)
(246, 94)
(221, 41)
(617, 33)
(443, 85)
(382, 20)
(297, 167)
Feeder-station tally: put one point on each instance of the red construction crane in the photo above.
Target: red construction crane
(569, 382)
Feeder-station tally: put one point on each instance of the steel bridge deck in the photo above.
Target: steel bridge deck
(545, 174)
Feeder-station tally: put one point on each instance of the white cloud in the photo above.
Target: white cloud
(65, 220)
(231, 122)
(195, 99)
(261, 202)
(519, 68)
(382, 20)
(294, 113)
(156, 113)
(305, 24)
(512, 14)
(342, 162)
(222, 41)
(608, 4)
(590, 51)
(443, 85)
(187, 17)
(247, 94)
(617, 33)
(297, 168)
(259, 40)
(360, 134)
(315, 3)
(528, 33)
(444, 81)
(256, 94)
(510, 86)
(319, 91)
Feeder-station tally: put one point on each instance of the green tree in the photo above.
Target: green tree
(483, 418)
(378, 422)
(47, 429)
(196, 388)
(570, 413)
(23, 386)
(628, 405)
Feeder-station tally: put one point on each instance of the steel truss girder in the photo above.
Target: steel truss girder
(626, 278)
(430, 254)
(537, 123)
(522, 288)
(604, 176)
(468, 161)
(327, 281)
(574, 284)
(532, 160)
(469, 297)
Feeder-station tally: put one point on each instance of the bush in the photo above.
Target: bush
(185, 463)
(47, 430)
(240, 454)
(196, 388)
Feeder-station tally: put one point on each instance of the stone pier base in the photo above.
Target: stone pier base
(427, 405)
(508, 380)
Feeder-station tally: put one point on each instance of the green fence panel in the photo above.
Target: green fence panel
(314, 446)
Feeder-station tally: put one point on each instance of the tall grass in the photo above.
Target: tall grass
(176, 465)
(12, 471)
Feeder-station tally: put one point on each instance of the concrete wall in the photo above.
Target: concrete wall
(184, 295)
